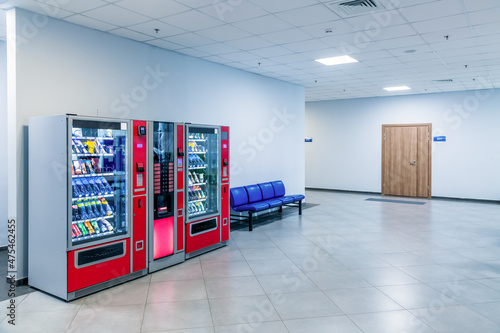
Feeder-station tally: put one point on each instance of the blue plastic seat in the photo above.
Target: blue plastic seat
(267, 190)
(256, 206)
(239, 196)
(254, 193)
(273, 202)
(279, 188)
(286, 199)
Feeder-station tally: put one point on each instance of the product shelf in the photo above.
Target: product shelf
(197, 200)
(94, 235)
(94, 219)
(197, 168)
(92, 155)
(94, 175)
(95, 196)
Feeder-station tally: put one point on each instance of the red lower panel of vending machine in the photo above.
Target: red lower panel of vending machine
(163, 233)
(202, 234)
(225, 213)
(180, 221)
(96, 264)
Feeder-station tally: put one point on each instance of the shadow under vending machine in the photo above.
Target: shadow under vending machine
(166, 212)
(87, 207)
(206, 188)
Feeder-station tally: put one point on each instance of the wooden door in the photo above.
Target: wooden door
(406, 160)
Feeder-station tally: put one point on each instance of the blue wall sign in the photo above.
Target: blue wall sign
(309, 139)
(440, 139)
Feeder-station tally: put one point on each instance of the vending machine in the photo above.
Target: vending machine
(87, 203)
(166, 209)
(206, 188)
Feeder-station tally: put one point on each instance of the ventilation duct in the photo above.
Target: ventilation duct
(355, 7)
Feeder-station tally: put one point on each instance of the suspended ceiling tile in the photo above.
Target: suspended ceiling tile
(432, 10)
(81, 6)
(484, 16)
(153, 8)
(475, 5)
(306, 45)
(249, 43)
(272, 51)
(381, 61)
(286, 36)
(193, 52)
(401, 42)
(391, 32)
(373, 55)
(124, 32)
(262, 62)
(224, 33)
(414, 51)
(289, 59)
(455, 44)
(338, 27)
(308, 15)
(489, 48)
(165, 44)
(240, 56)
(489, 39)
(37, 7)
(216, 59)
(276, 6)
(190, 40)
(320, 54)
(441, 24)
(377, 20)
(116, 15)
(487, 29)
(453, 34)
(164, 30)
(217, 49)
(200, 3)
(192, 21)
(90, 22)
(233, 11)
(263, 24)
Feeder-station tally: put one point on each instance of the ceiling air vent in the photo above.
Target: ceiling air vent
(443, 81)
(355, 7)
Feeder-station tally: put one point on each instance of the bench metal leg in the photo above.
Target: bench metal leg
(281, 209)
(300, 207)
(250, 221)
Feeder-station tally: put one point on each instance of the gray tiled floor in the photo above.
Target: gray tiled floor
(346, 265)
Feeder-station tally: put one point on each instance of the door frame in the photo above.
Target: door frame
(384, 126)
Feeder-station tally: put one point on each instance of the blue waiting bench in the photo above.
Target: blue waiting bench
(258, 197)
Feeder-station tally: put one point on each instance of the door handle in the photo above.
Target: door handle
(413, 163)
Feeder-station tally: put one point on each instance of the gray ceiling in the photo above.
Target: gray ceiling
(407, 42)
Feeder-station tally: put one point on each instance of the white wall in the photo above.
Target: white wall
(346, 149)
(66, 68)
(3, 140)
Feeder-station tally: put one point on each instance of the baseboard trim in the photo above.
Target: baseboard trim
(342, 191)
(485, 201)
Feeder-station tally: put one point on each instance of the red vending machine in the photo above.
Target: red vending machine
(87, 195)
(206, 188)
(166, 210)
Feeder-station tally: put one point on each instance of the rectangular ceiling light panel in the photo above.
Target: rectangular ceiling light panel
(336, 60)
(399, 88)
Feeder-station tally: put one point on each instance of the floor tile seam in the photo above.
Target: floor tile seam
(76, 314)
(455, 306)
(208, 301)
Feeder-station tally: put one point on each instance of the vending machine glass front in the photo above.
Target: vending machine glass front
(203, 171)
(99, 162)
